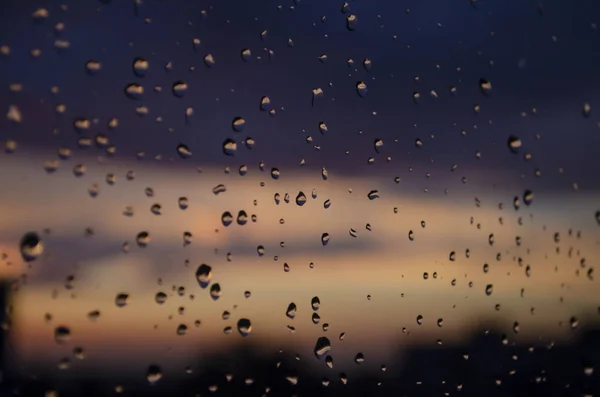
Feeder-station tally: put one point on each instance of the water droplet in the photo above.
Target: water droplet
(238, 124)
(516, 327)
(351, 22)
(574, 323)
(322, 347)
(140, 67)
(452, 256)
(122, 300)
(31, 246)
(209, 60)
(62, 334)
(183, 203)
(300, 199)
(325, 238)
(265, 103)
(327, 204)
(142, 239)
(93, 67)
(155, 209)
(229, 147)
(586, 110)
(184, 151)
(154, 374)
(203, 275)
(373, 194)
(246, 55)
(134, 91)
(179, 88)
(244, 326)
(40, 14)
(440, 322)
(353, 233)
(489, 289)
(93, 316)
(411, 235)
(291, 310)
(215, 291)
(359, 358)
(514, 143)
(315, 303)
(485, 86)
(528, 197)
(361, 89)
(160, 298)
(275, 173)
(419, 319)
(226, 218)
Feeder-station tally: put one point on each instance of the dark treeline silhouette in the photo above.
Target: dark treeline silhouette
(488, 365)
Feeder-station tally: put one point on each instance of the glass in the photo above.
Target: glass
(299, 198)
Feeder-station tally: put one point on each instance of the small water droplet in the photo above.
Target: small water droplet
(122, 300)
(238, 124)
(142, 239)
(300, 199)
(351, 22)
(215, 291)
(62, 334)
(229, 147)
(179, 88)
(31, 246)
(183, 151)
(203, 275)
(419, 319)
(514, 143)
(154, 374)
(160, 298)
(361, 89)
(489, 289)
(291, 310)
(244, 326)
(373, 194)
(325, 238)
(322, 347)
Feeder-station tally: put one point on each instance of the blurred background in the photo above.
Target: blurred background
(299, 197)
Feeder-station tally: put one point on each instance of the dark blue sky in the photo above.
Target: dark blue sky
(530, 70)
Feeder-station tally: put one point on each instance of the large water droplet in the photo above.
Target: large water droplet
(324, 238)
